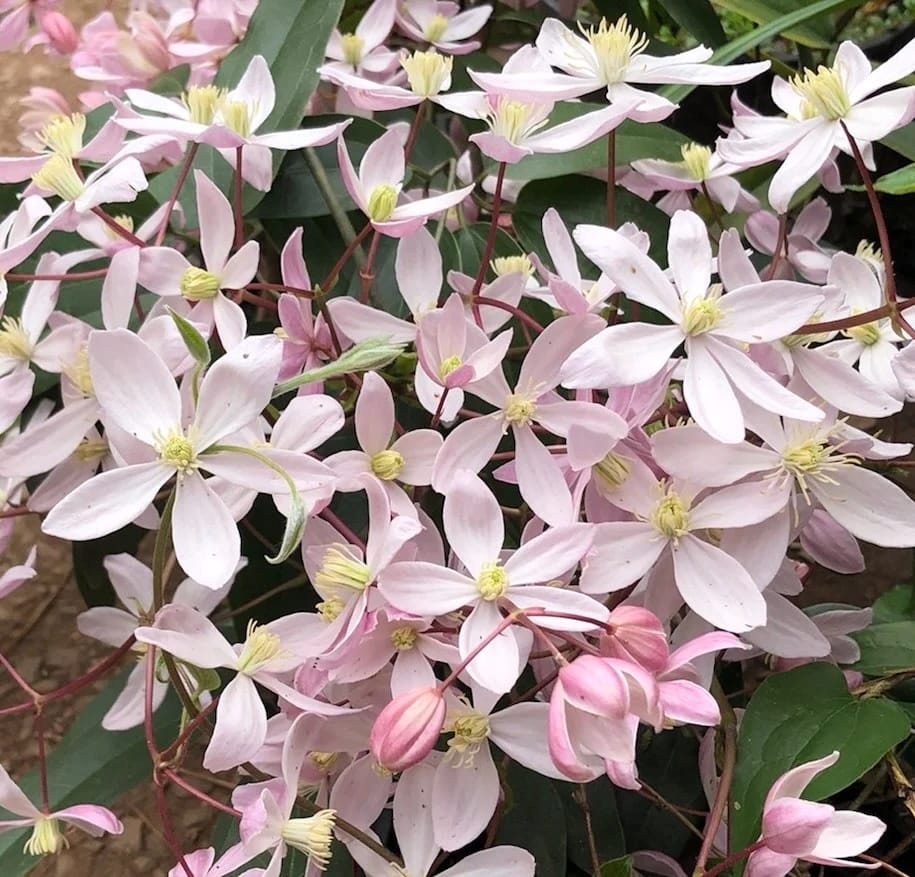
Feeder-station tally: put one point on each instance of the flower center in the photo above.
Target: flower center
(78, 372)
(510, 264)
(353, 46)
(670, 516)
(613, 470)
(696, 159)
(869, 252)
(340, 570)
(330, 609)
(470, 731)
(518, 410)
(387, 464)
(46, 838)
(58, 175)
(236, 115)
(261, 646)
(615, 45)
(449, 364)
(701, 316)
(89, 450)
(814, 458)
(14, 342)
(404, 638)
(427, 72)
(177, 450)
(435, 28)
(867, 334)
(312, 835)
(492, 582)
(382, 202)
(63, 135)
(515, 120)
(202, 102)
(198, 284)
(823, 92)
(324, 761)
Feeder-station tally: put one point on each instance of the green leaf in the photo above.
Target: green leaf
(742, 44)
(292, 535)
(900, 182)
(605, 822)
(800, 716)
(697, 18)
(621, 867)
(902, 140)
(897, 604)
(633, 141)
(88, 568)
(816, 35)
(90, 766)
(172, 82)
(195, 342)
(886, 648)
(530, 820)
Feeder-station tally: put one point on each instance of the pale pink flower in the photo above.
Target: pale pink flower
(269, 653)
(835, 625)
(377, 186)
(228, 120)
(133, 584)
(719, 375)
(407, 460)
(637, 636)
(805, 253)
(363, 50)
(517, 127)
(18, 574)
(167, 272)
(138, 394)
(613, 57)
(474, 526)
(55, 31)
(442, 24)
(203, 863)
(818, 106)
(46, 838)
(16, 20)
(794, 829)
(471, 444)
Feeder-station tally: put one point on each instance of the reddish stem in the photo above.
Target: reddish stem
(414, 130)
(505, 306)
(344, 257)
(239, 210)
(176, 191)
(490, 245)
(76, 275)
(279, 287)
(117, 228)
(200, 795)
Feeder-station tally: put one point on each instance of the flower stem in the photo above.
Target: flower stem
(730, 860)
(176, 191)
(163, 538)
(118, 229)
(76, 275)
(344, 258)
(611, 179)
(367, 273)
(239, 194)
(490, 245)
(414, 130)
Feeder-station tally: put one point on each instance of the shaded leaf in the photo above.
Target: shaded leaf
(886, 648)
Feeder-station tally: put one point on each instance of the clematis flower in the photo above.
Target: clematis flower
(269, 652)
(710, 325)
(475, 528)
(228, 120)
(362, 50)
(377, 186)
(203, 863)
(441, 23)
(19, 238)
(167, 272)
(138, 394)
(795, 829)
(802, 249)
(408, 460)
(46, 838)
(819, 105)
(612, 57)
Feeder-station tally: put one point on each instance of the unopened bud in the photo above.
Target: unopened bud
(637, 635)
(62, 36)
(408, 728)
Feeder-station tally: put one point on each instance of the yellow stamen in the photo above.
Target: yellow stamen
(518, 410)
(696, 158)
(14, 342)
(340, 570)
(88, 450)
(63, 135)
(436, 28)
(492, 582)
(382, 202)
(261, 646)
(324, 761)
(353, 47)
(202, 102)
(613, 470)
(516, 120)
(449, 364)
(177, 450)
(198, 284)
(701, 316)
(236, 115)
(670, 516)
(427, 72)
(510, 264)
(470, 730)
(46, 838)
(58, 175)
(387, 464)
(814, 459)
(823, 93)
(330, 609)
(615, 45)
(312, 835)
(404, 638)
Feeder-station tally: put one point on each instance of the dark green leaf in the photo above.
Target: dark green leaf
(605, 822)
(897, 604)
(902, 141)
(621, 867)
(195, 342)
(901, 182)
(800, 716)
(697, 18)
(886, 648)
(172, 82)
(91, 577)
(91, 766)
(816, 33)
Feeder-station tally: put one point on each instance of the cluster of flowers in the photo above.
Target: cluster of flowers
(668, 470)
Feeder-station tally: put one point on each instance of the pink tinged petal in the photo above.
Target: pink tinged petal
(132, 581)
(237, 389)
(841, 385)
(503, 861)
(292, 265)
(413, 820)
(737, 506)
(374, 414)
(190, 636)
(519, 731)
(758, 386)
(621, 355)
(351, 178)
(419, 449)
(629, 268)
(464, 797)
(559, 601)
(256, 87)
(422, 588)
(623, 553)
(161, 270)
(15, 392)
(804, 159)
(500, 148)
(383, 162)
(868, 506)
(473, 522)
(540, 480)
(468, 446)
(377, 22)
(359, 322)
(540, 369)
(793, 826)
(563, 751)
(120, 287)
(106, 502)
(550, 554)
(230, 321)
(767, 311)
(498, 666)
(217, 223)
(418, 269)
(240, 269)
(792, 783)
(592, 430)
(873, 119)
(133, 385)
(560, 247)
(423, 208)
(716, 587)
(689, 254)
(789, 632)
(303, 138)
(709, 395)
(848, 834)
(766, 863)
(241, 726)
(830, 544)
(582, 130)
(307, 422)
(12, 798)
(684, 701)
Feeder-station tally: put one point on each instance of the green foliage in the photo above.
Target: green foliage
(899, 182)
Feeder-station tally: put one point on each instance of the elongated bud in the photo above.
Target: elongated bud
(637, 635)
(407, 728)
(62, 36)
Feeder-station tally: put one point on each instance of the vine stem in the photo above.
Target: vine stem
(182, 783)
(239, 194)
(117, 228)
(611, 179)
(490, 244)
(414, 130)
(732, 860)
(861, 319)
(344, 257)
(511, 309)
(176, 191)
(781, 246)
(76, 275)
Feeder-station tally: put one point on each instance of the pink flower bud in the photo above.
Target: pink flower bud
(407, 728)
(62, 36)
(638, 635)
